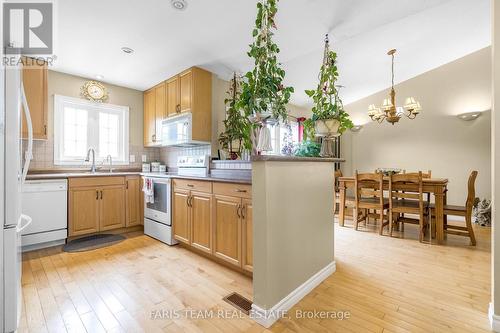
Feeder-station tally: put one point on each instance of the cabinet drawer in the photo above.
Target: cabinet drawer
(195, 185)
(96, 181)
(233, 190)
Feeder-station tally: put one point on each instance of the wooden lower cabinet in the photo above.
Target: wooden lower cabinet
(215, 223)
(180, 215)
(227, 229)
(201, 221)
(102, 203)
(247, 235)
(83, 211)
(112, 212)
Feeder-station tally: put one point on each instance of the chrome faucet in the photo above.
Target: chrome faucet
(110, 159)
(87, 159)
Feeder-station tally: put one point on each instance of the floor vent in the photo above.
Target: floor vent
(239, 302)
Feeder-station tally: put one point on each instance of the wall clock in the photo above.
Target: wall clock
(94, 91)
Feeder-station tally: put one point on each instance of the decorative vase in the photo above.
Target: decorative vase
(264, 143)
(327, 128)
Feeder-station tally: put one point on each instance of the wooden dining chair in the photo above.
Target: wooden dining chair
(465, 211)
(402, 201)
(349, 199)
(369, 195)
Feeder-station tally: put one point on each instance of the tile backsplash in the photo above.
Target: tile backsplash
(168, 155)
(43, 156)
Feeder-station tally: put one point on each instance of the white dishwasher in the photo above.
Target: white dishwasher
(46, 202)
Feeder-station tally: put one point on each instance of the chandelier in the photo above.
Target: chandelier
(389, 111)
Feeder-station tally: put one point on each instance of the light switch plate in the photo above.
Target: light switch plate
(132, 158)
(144, 158)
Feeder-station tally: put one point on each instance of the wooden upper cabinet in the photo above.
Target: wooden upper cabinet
(247, 235)
(35, 74)
(160, 108)
(201, 221)
(173, 95)
(180, 216)
(133, 194)
(149, 117)
(227, 229)
(83, 211)
(189, 91)
(112, 212)
(186, 91)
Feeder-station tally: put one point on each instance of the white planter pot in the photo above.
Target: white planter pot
(327, 127)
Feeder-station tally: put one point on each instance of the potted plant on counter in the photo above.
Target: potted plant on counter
(329, 117)
(264, 96)
(235, 124)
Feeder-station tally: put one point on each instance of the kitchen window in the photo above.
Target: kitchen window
(278, 135)
(80, 124)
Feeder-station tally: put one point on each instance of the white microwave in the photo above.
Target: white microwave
(178, 131)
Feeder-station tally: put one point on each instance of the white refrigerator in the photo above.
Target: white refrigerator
(13, 170)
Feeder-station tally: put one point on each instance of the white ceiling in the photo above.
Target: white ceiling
(214, 34)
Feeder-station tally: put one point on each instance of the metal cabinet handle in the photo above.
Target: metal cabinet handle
(240, 190)
(153, 137)
(190, 201)
(126, 186)
(101, 195)
(178, 108)
(45, 129)
(97, 195)
(190, 185)
(243, 209)
(238, 208)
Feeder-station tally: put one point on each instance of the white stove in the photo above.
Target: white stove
(198, 166)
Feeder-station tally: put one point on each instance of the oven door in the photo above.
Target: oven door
(159, 210)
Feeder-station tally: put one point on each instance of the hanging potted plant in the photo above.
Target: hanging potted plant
(329, 117)
(235, 123)
(264, 97)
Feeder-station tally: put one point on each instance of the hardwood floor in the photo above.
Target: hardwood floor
(385, 284)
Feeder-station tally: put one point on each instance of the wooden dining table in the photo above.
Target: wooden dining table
(436, 186)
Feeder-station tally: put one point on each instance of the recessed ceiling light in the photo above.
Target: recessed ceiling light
(99, 77)
(179, 4)
(127, 50)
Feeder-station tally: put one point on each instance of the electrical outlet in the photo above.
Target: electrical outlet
(144, 158)
(132, 158)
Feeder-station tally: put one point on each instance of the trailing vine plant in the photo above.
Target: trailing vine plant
(263, 91)
(327, 103)
(235, 124)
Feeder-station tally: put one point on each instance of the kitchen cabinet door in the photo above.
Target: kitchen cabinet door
(149, 118)
(172, 92)
(112, 207)
(133, 201)
(247, 235)
(160, 108)
(201, 221)
(186, 91)
(180, 216)
(227, 229)
(35, 86)
(83, 208)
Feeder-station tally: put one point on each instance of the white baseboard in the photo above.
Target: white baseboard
(494, 319)
(268, 317)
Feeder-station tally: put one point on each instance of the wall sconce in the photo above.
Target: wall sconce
(469, 116)
(356, 128)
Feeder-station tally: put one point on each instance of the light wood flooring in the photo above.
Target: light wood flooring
(386, 284)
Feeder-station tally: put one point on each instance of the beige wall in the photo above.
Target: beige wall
(293, 226)
(437, 140)
(495, 185)
(70, 85)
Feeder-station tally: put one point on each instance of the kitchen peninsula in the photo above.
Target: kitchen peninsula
(292, 204)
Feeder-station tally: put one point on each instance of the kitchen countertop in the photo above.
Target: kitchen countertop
(280, 158)
(232, 179)
(79, 174)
